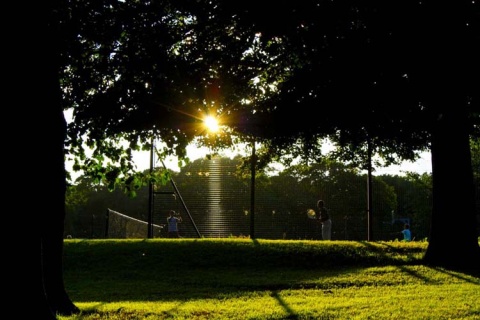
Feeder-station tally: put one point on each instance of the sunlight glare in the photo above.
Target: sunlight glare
(211, 123)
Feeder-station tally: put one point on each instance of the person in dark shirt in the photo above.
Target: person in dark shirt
(173, 220)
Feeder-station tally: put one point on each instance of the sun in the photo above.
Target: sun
(211, 123)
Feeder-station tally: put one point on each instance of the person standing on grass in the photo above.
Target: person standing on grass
(324, 218)
(407, 234)
(173, 220)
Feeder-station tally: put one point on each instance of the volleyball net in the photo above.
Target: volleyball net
(120, 225)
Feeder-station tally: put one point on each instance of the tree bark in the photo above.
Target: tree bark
(449, 64)
(51, 174)
(53, 228)
(44, 311)
(453, 240)
(54, 298)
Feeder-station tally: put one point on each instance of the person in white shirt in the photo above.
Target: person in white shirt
(325, 220)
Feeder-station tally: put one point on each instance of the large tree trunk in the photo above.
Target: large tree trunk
(52, 227)
(44, 312)
(51, 174)
(449, 61)
(54, 299)
(453, 240)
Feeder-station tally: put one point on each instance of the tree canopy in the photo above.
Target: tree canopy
(361, 74)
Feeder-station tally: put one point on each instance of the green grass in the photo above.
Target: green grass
(263, 279)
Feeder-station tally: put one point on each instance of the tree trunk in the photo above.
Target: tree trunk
(50, 165)
(44, 312)
(449, 62)
(453, 240)
(53, 228)
(54, 298)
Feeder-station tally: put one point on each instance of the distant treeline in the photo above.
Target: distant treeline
(214, 197)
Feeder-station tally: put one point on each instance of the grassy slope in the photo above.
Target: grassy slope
(263, 279)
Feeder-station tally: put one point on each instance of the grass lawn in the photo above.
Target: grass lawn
(263, 279)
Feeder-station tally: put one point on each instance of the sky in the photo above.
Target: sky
(422, 165)
(142, 160)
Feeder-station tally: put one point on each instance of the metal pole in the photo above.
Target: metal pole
(177, 192)
(369, 192)
(107, 218)
(150, 198)
(252, 192)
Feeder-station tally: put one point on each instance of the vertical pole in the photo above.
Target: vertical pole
(177, 192)
(369, 192)
(252, 191)
(150, 198)
(92, 226)
(107, 221)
